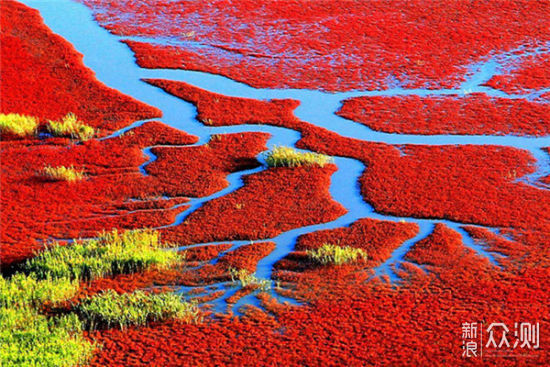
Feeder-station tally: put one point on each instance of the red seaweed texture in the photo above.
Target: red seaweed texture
(54, 81)
(206, 252)
(350, 319)
(377, 238)
(244, 257)
(353, 45)
(470, 184)
(219, 110)
(348, 316)
(270, 202)
(115, 194)
(33, 208)
(530, 73)
(473, 114)
(202, 170)
(546, 180)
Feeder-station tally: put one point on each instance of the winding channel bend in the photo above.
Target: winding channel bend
(114, 65)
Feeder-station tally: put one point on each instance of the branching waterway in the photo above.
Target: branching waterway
(114, 64)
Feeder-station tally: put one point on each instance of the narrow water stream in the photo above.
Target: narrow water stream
(114, 65)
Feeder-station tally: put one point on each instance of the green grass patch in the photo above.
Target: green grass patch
(111, 253)
(338, 255)
(62, 173)
(25, 290)
(21, 125)
(70, 126)
(31, 338)
(245, 278)
(290, 157)
(110, 309)
(28, 338)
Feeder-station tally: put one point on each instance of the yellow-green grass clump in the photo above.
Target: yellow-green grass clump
(70, 126)
(29, 338)
(246, 278)
(109, 254)
(16, 124)
(62, 173)
(290, 157)
(25, 290)
(338, 255)
(109, 309)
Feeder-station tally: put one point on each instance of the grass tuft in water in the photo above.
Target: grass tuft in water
(110, 309)
(109, 254)
(245, 278)
(70, 126)
(21, 125)
(338, 255)
(290, 157)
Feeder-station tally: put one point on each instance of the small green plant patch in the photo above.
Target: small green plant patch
(70, 126)
(28, 338)
(290, 157)
(110, 309)
(16, 124)
(338, 255)
(62, 173)
(25, 290)
(245, 278)
(109, 254)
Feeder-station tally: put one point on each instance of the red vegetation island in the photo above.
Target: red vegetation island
(472, 114)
